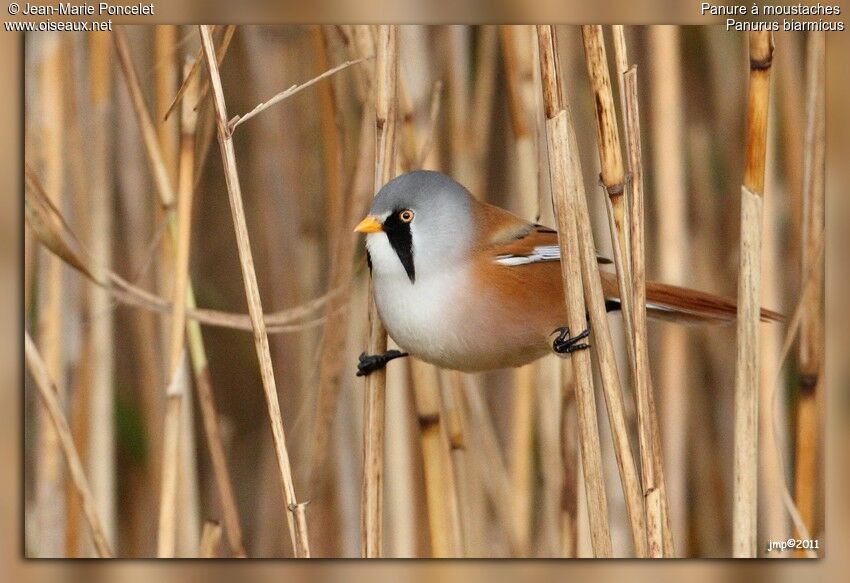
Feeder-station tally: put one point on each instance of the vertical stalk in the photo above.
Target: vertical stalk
(102, 431)
(650, 447)
(295, 518)
(745, 507)
(49, 491)
(672, 223)
(565, 191)
(613, 175)
(386, 107)
(168, 525)
(811, 345)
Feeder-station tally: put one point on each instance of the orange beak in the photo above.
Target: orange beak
(369, 225)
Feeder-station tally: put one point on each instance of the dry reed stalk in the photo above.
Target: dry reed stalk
(50, 398)
(237, 120)
(810, 356)
(440, 481)
(165, 85)
(745, 511)
(565, 191)
(176, 353)
(210, 540)
(604, 348)
(195, 339)
(386, 103)
(401, 517)
(674, 257)
(102, 431)
(648, 435)
(227, 36)
(613, 180)
(167, 525)
(300, 543)
(49, 479)
(613, 175)
(159, 167)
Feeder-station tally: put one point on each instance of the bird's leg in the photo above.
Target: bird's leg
(369, 363)
(566, 344)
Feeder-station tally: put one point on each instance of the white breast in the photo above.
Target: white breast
(419, 316)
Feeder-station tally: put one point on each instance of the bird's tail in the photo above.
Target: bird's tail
(682, 304)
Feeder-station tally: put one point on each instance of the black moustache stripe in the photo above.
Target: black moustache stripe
(398, 232)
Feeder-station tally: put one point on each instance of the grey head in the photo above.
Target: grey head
(420, 222)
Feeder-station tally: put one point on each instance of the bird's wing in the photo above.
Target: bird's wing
(511, 241)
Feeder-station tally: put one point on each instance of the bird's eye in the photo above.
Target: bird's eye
(406, 215)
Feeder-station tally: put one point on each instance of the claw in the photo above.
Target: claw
(369, 363)
(564, 344)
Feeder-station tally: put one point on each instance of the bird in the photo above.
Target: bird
(466, 285)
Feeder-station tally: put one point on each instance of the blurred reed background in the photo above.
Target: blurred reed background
(127, 210)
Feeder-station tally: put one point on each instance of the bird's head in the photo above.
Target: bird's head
(419, 222)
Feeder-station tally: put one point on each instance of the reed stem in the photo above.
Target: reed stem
(745, 507)
(300, 543)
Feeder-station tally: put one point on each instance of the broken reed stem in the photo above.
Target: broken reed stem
(386, 104)
(49, 397)
(565, 192)
(642, 378)
(297, 529)
(613, 174)
(659, 536)
(229, 31)
(811, 345)
(102, 432)
(603, 346)
(613, 180)
(238, 120)
(745, 508)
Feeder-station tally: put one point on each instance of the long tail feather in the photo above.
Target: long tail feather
(681, 304)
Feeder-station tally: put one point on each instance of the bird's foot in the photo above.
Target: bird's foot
(566, 344)
(369, 363)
